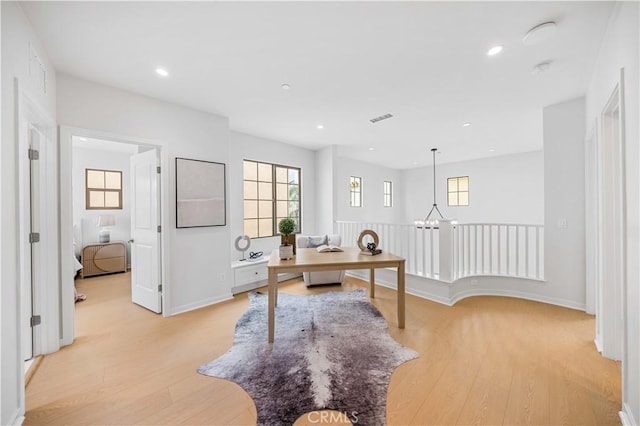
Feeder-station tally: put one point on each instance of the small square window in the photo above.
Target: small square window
(103, 189)
(458, 191)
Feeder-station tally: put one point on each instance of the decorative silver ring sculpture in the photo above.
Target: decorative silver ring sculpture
(241, 248)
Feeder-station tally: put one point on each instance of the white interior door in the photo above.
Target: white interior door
(146, 288)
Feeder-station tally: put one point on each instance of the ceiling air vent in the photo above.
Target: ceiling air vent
(382, 117)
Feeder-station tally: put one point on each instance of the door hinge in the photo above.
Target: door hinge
(34, 237)
(35, 320)
(34, 154)
(160, 288)
(158, 169)
(159, 228)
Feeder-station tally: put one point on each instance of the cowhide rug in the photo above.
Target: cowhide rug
(331, 351)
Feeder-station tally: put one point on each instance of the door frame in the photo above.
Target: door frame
(592, 220)
(66, 218)
(610, 308)
(43, 296)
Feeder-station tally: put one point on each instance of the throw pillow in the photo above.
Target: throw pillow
(316, 241)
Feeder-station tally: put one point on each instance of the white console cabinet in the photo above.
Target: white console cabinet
(251, 274)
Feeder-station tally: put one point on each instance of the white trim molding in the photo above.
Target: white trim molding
(626, 416)
(450, 293)
(200, 304)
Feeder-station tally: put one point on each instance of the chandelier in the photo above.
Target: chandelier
(429, 222)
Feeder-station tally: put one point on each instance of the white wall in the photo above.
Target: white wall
(373, 176)
(325, 188)
(620, 50)
(504, 189)
(564, 200)
(248, 147)
(86, 158)
(17, 38)
(200, 271)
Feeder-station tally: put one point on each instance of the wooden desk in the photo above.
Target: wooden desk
(309, 260)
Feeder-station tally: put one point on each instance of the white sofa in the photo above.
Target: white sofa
(324, 277)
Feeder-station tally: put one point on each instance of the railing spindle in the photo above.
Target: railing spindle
(501, 252)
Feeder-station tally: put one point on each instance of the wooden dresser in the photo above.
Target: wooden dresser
(104, 258)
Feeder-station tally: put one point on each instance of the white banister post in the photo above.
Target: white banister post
(446, 250)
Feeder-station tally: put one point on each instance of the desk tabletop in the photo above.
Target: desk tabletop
(350, 258)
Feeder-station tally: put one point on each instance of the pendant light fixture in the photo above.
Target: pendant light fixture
(429, 222)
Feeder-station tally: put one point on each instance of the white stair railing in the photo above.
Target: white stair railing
(513, 250)
(459, 250)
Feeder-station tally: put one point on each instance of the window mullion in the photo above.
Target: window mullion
(274, 198)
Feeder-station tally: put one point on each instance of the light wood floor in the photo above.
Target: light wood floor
(487, 360)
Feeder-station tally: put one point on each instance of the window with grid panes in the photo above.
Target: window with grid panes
(387, 193)
(355, 191)
(103, 189)
(458, 191)
(271, 193)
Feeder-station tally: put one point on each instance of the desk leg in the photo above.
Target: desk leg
(372, 283)
(401, 295)
(273, 294)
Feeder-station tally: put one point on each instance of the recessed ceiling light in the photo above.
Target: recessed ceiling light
(371, 148)
(539, 33)
(492, 150)
(285, 86)
(162, 72)
(494, 50)
(467, 124)
(320, 126)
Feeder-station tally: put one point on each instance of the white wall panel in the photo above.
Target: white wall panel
(620, 49)
(373, 176)
(19, 42)
(199, 257)
(503, 189)
(564, 200)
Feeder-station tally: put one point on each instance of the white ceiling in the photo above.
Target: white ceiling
(346, 62)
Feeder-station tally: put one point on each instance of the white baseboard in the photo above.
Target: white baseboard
(598, 344)
(17, 419)
(520, 295)
(449, 299)
(429, 296)
(392, 285)
(200, 304)
(263, 283)
(626, 416)
(248, 287)
(290, 276)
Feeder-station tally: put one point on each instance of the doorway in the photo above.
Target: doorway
(612, 240)
(81, 150)
(37, 217)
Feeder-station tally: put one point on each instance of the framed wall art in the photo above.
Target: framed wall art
(200, 193)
